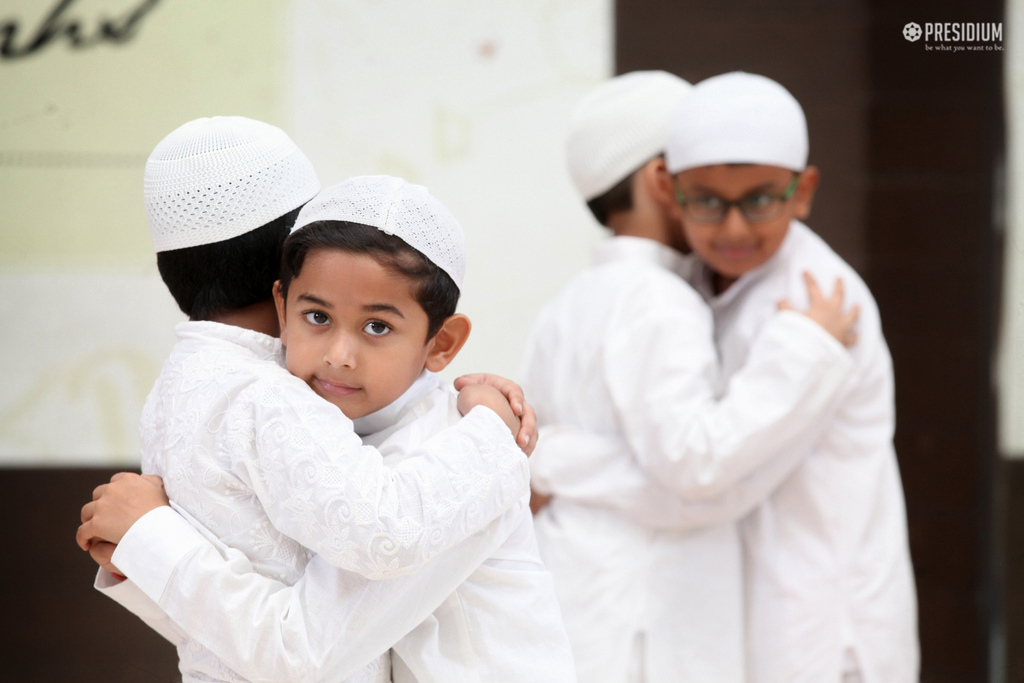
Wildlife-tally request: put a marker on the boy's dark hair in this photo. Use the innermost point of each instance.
(618, 198)
(432, 288)
(213, 279)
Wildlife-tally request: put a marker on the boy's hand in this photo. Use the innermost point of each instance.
(485, 395)
(101, 552)
(118, 505)
(829, 312)
(538, 501)
(526, 436)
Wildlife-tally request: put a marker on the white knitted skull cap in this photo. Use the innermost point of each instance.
(619, 126)
(216, 178)
(737, 118)
(398, 208)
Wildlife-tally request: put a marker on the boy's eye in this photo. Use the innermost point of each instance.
(759, 201)
(376, 328)
(707, 202)
(317, 318)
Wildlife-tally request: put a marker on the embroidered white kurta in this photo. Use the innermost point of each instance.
(828, 563)
(649, 470)
(274, 471)
(501, 624)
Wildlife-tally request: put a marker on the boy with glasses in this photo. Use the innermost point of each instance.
(829, 584)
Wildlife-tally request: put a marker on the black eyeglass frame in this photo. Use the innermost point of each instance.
(727, 204)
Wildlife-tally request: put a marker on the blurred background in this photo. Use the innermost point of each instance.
(918, 142)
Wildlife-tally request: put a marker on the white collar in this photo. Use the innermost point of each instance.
(624, 248)
(263, 346)
(389, 414)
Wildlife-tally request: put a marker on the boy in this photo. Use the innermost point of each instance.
(648, 469)
(369, 284)
(246, 449)
(829, 583)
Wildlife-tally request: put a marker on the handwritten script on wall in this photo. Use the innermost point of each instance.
(59, 24)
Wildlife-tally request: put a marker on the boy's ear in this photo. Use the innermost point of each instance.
(803, 197)
(279, 304)
(659, 180)
(447, 342)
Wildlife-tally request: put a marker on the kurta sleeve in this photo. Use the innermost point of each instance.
(598, 470)
(326, 626)
(699, 446)
(322, 487)
(133, 599)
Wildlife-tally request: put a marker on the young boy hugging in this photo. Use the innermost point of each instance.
(268, 471)
(369, 284)
(829, 584)
(648, 464)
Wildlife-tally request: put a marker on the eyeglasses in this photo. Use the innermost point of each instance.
(756, 208)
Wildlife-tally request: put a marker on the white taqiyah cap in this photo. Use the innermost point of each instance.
(737, 118)
(217, 178)
(397, 208)
(620, 126)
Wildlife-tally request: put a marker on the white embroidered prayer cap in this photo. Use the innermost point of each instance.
(217, 178)
(737, 118)
(619, 126)
(398, 208)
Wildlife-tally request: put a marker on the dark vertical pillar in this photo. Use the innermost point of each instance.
(935, 136)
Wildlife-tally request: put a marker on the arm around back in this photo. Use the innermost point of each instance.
(322, 487)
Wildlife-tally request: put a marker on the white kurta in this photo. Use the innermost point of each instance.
(650, 470)
(500, 623)
(271, 469)
(828, 564)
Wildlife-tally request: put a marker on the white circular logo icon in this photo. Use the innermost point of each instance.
(912, 31)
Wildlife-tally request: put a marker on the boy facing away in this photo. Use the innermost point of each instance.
(247, 449)
(829, 584)
(649, 466)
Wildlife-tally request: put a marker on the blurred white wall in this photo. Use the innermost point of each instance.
(467, 98)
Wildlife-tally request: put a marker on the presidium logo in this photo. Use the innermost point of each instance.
(956, 36)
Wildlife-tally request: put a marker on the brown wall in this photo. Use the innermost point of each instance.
(56, 627)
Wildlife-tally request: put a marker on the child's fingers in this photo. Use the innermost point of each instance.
(784, 305)
(88, 511)
(84, 535)
(516, 400)
(98, 491)
(527, 436)
(838, 291)
(512, 392)
(154, 480)
(531, 444)
(102, 552)
(851, 316)
(464, 381)
(813, 291)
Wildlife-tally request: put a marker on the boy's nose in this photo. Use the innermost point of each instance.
(734, 222)
(340, 353)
